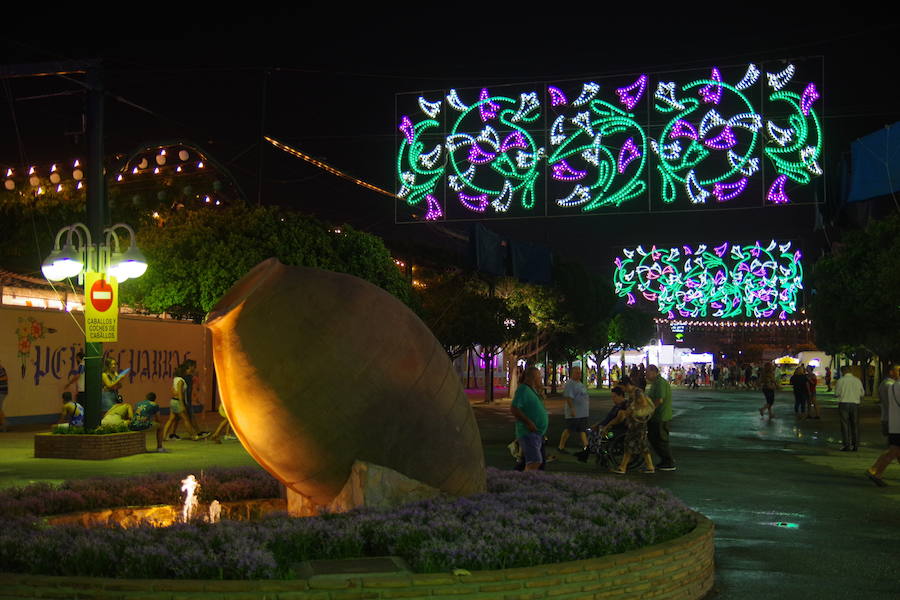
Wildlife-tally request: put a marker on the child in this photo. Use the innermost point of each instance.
(72, 414)
(224, 425)
(146, 415)
(636, 416)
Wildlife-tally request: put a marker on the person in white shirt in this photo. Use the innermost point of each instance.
(883, 396)
(577, 409)
(849, 391)
(876, 471)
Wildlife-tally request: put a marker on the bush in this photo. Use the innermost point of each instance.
(524, 519)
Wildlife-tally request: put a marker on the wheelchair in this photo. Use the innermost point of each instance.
(607, 450)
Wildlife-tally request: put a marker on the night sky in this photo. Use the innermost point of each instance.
(331, 80)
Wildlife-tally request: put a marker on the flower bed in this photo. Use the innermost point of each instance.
(523, 520)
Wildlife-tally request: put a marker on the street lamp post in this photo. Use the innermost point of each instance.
(79, 255)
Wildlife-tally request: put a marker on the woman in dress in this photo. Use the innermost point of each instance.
(636, 416)
(112, 383)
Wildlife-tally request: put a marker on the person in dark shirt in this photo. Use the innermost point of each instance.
(800, 383)
(620, 402)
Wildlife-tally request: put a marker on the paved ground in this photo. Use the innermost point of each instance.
(746, 473)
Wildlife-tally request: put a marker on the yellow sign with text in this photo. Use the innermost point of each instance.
(101, 308)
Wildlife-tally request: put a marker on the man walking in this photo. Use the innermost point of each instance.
(849, 391)
(876, 471)
(577, 410)
(660, 393)
(531, 419)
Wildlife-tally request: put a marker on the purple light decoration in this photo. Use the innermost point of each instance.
(777, 194)
(631, 299)
(768, 313)
(716, 305)
(563, 172)
(434, 208)
(737, 302)
(513, 140)
(724, 141)
(628, 96)
(810, 95)
(556, 96)
(797, 256)
(671, 315)
(651, 296)
(721, 250)
(687, 250)
(474, 203)
(684, 313)
(407, 128)
(756, 250)
(783, 316)
(711, 93)
(652, 275)
(728, 191)
(668, 269)
(487, 109)
(478, 156)
(683, 129)
(495, 362)
(618, 262)
(628, 153)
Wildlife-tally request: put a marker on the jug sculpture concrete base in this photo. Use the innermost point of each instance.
(332, 384)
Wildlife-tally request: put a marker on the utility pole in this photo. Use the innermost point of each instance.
(96, 222)
(96, 192)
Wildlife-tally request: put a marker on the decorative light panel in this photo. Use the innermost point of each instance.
(726, 281)
(740, 136)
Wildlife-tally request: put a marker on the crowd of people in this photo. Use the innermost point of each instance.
(146, 414)
(641, 413)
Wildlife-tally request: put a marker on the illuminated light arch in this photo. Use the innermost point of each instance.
(727, 136)
(727, 281)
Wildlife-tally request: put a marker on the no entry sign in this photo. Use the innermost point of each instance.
(101, 308)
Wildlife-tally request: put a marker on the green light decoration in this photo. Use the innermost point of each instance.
(584, 148)
(726, 281)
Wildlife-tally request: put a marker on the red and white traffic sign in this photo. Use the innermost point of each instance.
(101, 295)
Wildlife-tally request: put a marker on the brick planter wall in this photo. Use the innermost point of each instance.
(679, 569)
(89, 447)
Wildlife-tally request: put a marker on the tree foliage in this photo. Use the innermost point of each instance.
(196, 256)
(630, 328)
(854, 302)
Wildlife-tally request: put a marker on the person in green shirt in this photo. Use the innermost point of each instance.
(660, 393)
(531, 418)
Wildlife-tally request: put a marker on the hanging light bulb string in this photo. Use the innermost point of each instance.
(326, 167)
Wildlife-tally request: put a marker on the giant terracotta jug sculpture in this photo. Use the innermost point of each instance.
(322, 372)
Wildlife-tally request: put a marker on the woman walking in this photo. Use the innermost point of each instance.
(768, 385)
(177, 404)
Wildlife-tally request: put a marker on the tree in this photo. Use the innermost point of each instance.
(196, 256)
(462, 313)
(631, 328)
(854, 302)
(587, 302)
